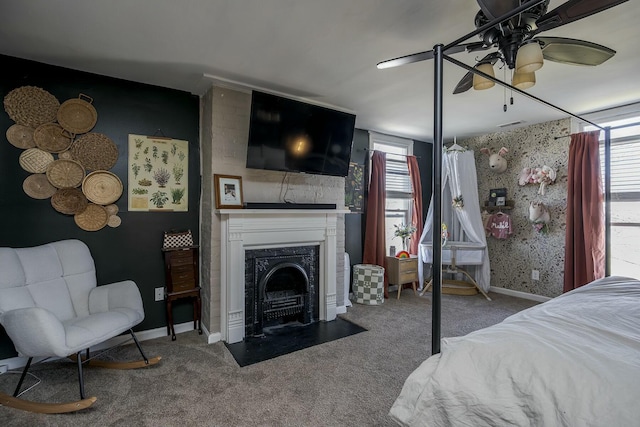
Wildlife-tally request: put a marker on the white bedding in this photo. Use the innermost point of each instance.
(571, 361)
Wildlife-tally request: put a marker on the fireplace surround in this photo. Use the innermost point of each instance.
(257, 229)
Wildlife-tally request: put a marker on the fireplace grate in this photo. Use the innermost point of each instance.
(280, 307)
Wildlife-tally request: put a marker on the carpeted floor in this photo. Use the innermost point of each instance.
(352, 381)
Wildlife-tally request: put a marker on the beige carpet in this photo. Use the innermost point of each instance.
(352, 381)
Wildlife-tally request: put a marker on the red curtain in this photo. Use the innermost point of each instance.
(584, 259)
(374, 236)
(416, 211)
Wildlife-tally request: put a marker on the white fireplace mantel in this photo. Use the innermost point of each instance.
(248, 229)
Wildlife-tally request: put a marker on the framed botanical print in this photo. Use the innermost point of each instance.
(228, 189)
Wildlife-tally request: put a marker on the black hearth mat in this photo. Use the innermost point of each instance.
(278, 341)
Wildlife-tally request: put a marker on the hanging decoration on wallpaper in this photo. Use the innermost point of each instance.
(354, 188)
(67, 163)
(158, 174)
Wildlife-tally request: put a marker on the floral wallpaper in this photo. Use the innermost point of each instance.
(526, 249)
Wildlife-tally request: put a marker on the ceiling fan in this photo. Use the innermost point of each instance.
(517, 42)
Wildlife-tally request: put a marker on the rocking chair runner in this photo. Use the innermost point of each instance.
(51, 306)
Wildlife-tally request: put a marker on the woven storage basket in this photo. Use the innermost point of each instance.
(78, 115)
(52, 137)
(69, 201)
(102, 187)
(95, 151)
(31, 106)
(368, 284)
(63, 173)
(21, 136)
(35, 160)
(38, 186)
(93, 218)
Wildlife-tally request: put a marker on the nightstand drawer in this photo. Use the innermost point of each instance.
(408, 277)
(175, 262)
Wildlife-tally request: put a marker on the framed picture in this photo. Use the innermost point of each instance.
(228, 191)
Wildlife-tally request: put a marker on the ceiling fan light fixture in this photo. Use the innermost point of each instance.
(529, 57)
(481, 83)
(523, 80)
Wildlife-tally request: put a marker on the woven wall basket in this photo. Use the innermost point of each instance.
(21, 136)
(31, 106)
(78, 115)
(63, 173)
(93, 218)
(69, 201)
(52, 137)
(35, 160)
(38, 186)
(102, 187)
(95, 151)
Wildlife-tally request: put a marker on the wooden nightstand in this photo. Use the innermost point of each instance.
(181, 277)
(401, 271)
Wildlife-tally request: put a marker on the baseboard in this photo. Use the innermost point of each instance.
(341, 309)
(519, 294)
(149, 334)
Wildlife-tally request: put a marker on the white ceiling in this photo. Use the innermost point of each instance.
(325, 51)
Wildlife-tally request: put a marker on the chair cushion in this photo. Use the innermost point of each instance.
(83, 332)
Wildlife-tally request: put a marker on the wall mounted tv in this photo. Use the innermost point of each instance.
(293, 136)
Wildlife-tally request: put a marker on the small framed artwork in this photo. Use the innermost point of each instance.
(501, 201)
(228, 190)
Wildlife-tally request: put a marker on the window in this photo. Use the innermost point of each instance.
(398, 183)
(625, 188)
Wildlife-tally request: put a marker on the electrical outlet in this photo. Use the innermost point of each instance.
(159, 294)
(535, 275)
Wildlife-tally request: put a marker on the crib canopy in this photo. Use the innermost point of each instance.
(461, 214)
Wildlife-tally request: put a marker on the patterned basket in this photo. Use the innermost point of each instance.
(35, 160)
(31, 106)
(368, 284)
(52, 137)
(69, 201)
(95, 151)
(64, 173)
(93, 218)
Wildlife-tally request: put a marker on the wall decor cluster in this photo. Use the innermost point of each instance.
(68, 163)
(158, 174)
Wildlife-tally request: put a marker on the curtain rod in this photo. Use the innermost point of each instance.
(612, 128)
(394, 154)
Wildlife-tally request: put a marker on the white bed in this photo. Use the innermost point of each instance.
(571, 361)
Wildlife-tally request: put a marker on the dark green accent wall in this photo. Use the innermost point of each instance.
(132, 250)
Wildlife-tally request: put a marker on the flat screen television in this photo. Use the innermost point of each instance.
(294, 136)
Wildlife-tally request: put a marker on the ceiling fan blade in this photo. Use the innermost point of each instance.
(573, 10)
(422, 56)
(464, 84)
(467, 80)
(572, 51)
(493, 9)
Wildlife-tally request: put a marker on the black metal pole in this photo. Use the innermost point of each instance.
(436, 313)
(607, 201)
